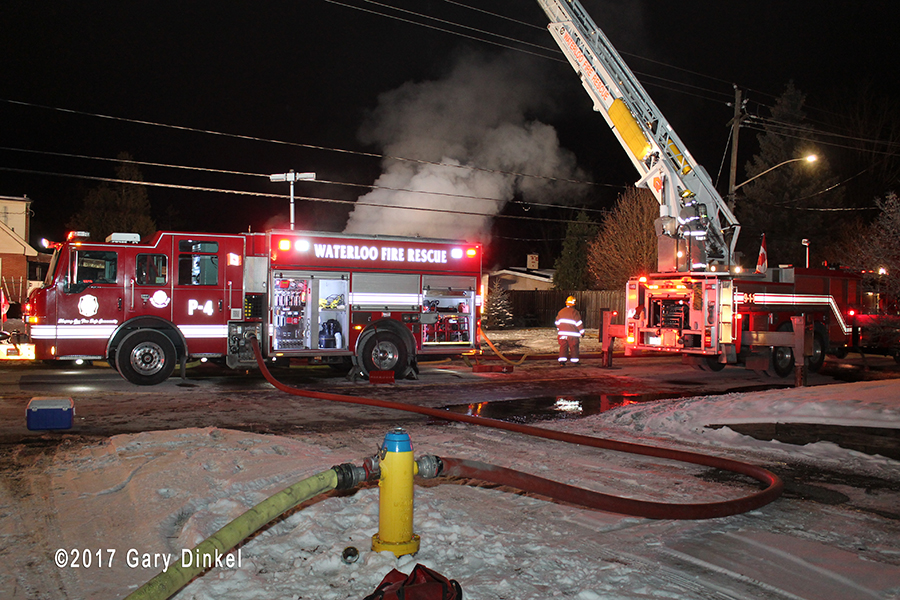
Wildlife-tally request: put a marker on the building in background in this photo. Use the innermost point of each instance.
(22, 267)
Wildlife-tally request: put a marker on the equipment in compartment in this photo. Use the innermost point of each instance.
(447, 329)
(332, 302)
(290, 317)
(330, 335)
(445, 317)
(331, 295)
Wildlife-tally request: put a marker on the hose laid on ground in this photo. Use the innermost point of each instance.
(167, 583)
(627, 506)
(497, 352)
(458, 467)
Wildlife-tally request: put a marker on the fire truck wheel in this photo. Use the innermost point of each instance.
(711, 363)
(782, 363)
(817, 359)
(384, 351)
(145, 357)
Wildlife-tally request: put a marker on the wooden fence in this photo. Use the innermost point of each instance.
(538, 308)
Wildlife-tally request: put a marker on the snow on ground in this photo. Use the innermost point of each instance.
(157, 493)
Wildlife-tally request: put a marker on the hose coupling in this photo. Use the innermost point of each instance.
(430, 466)
(349, 476)
(372, 466)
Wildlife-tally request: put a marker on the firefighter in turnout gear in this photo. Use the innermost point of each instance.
(569, 329)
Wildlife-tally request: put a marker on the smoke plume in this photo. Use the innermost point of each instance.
(470, 134)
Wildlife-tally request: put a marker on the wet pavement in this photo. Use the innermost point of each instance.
(574, 406)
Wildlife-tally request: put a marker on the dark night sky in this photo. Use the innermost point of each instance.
(310, 71)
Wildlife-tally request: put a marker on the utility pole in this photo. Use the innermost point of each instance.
(735, 129)
(292, 177)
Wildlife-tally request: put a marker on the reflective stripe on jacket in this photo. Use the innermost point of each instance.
(568, 323)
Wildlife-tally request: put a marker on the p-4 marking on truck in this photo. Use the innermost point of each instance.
(374, 302)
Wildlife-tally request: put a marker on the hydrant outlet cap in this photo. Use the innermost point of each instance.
(397, 441)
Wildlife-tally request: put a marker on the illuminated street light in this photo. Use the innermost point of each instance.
(805, 242)
(292, 177)
(810, 158)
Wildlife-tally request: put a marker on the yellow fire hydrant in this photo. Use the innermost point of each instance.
(395, 504)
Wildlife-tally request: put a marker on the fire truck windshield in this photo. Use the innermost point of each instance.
(51, 269)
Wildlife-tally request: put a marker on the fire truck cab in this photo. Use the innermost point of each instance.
(373, 302)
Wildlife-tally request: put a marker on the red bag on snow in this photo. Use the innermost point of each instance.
(421, 584)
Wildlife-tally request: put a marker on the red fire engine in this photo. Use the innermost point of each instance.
(374, 302)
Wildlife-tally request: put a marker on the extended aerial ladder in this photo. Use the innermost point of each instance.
(696, 229)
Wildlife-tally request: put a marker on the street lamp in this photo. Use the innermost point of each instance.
(292, 177)
(810, 158)
(805, 242)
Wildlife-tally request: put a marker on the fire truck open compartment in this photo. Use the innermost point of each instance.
(309, 311)
(448, 309)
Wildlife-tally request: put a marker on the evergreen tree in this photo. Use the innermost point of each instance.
(497, 312)
(571, 266)
(116, 207)
(626, 245)
(786, 204)
(878, 253)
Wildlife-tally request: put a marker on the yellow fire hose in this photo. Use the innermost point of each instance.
(497, 352)
(167, 583)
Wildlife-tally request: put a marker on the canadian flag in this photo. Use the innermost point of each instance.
(762, 263)
(4, 306)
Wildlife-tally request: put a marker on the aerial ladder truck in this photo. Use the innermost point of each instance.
(698, 303)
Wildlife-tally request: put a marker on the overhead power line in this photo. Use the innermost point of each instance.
(783, 125)
(299, 144)
(436, 28)
(283, 196)
(791, 133)
(556, 53)
(320, 181)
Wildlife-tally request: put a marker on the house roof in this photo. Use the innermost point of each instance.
(8, 237)
(16, 199)
(545, 275)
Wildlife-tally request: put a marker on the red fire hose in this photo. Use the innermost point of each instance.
(567, 493)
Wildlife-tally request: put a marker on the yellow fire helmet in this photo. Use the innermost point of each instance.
(570, 301)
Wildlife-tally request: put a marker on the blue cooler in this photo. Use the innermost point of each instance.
(45, 413)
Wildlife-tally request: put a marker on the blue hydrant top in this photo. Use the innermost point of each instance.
(397, 440)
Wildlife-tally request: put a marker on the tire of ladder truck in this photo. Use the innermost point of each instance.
(711, 363)
(146, 357)
(820, 347)
(782, 364)
(385, 351)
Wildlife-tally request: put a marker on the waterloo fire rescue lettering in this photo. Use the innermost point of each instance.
(385, 253)
(365, 302)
